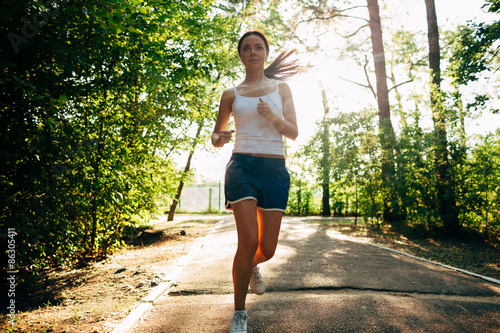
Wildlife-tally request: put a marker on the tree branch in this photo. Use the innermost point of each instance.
(365, 69)
(316, 18)
(367, 86)
(356, 83)
(400, 84)
(355, 32)
(346, 9)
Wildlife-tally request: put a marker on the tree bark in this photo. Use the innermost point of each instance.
(325, 159)
(173, 206)
(95, 194)
(386, 130)
(446, 197)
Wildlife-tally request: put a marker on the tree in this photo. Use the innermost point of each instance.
(480, 195)
(325, 159)
(325, 12)
(185, 174)
(95, 104)
(476, 49)
(446, 197)
(386, 130)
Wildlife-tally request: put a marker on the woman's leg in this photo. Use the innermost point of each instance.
(269, 223)
(245, 214)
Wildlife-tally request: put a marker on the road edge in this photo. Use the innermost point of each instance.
(487, 278)
(147, 302)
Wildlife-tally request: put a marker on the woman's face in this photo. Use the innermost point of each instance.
(253, 53)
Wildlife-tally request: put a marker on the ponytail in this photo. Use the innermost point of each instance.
(279, 69)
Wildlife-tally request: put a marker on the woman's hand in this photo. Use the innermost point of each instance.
(287, 125)
(223, 137)
(265, 111)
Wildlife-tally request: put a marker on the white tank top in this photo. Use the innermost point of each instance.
(254, 134)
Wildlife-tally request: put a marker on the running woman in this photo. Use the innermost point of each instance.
(256, 180)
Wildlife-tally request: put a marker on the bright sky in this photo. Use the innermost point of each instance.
(307, 94)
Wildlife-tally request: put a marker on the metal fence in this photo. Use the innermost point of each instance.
(202, 198)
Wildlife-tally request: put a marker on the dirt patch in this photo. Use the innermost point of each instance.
(97, 298)
(474, 255)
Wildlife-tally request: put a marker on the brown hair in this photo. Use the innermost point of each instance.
(279, 69)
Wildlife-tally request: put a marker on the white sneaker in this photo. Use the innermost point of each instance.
(257, 283)
(239, 323)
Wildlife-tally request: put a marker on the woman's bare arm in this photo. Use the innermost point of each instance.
(221, 135)
(288, 125)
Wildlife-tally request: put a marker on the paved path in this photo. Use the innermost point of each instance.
(322, 281)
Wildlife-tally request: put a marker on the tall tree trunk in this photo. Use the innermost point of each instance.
(299, 198)
(356, 198)
(95, 188)
(446, 197)
(173, 206)
(325, 159)
(400, 110)
(386, 131)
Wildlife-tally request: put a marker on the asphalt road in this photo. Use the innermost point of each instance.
(322, 281)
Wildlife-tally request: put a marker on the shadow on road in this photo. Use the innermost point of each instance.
(322, 281)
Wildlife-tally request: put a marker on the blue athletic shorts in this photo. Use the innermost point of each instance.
(263, 179)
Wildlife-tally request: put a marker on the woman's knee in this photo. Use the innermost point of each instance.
(248, 246)
(267, 252)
